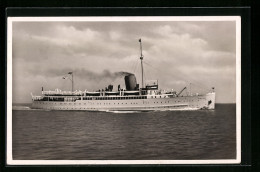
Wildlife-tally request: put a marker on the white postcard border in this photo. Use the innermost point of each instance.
(9, 157)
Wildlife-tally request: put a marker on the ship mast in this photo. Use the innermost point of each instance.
(141, 58)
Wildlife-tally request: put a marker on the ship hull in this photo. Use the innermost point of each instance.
(175, 103)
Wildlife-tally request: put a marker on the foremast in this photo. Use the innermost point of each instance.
(71, 79)
(141, 58)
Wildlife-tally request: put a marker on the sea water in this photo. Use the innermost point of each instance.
(115, 135)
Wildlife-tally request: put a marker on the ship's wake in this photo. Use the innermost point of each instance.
(183, 109)
(21, 108)
(153, 110)
(118, 111)
(28, 108)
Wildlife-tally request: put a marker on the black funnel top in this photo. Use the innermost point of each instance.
(130, 82)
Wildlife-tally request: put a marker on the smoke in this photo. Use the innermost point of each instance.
(84, 74)
(122, 73)
(105, 75)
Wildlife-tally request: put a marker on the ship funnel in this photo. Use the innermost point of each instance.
(130, 82)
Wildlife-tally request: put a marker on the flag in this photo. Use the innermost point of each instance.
(70, 73)
(140, 40)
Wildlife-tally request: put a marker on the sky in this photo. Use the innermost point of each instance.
(176, 53)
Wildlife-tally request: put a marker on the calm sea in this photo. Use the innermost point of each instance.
(82, 135)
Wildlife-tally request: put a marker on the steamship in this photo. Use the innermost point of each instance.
(131, 98)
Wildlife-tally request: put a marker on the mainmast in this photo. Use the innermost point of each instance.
(141, 58)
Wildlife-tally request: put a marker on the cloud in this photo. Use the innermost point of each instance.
(176, 53)
(164, 30)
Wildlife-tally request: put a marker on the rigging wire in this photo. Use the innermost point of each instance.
(193, 81)
(144, 77)
(148, 75)
(136, 63)
(187, 92)
(138, 75)
(133, 66)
